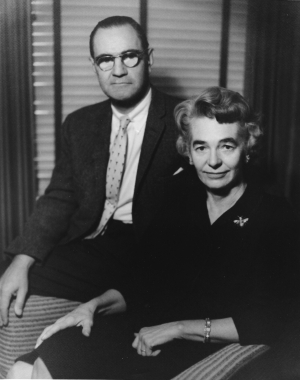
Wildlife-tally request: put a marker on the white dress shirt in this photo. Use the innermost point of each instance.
(135, 134)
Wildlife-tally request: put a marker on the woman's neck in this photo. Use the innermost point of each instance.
(217, 203)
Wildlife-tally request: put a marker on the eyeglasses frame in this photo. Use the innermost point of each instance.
(139, 56)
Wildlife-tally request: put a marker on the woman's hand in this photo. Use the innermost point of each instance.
(223, 331)
(148, 337)
(83, 316)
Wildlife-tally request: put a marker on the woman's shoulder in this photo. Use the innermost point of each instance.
(273, 209)
(266, 189)
(184, 196)
(277, 204)
(185, 180)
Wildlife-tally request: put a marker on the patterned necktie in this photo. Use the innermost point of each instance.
(114, 173)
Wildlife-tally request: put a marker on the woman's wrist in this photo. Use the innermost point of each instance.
(216, 331)
(191, 329)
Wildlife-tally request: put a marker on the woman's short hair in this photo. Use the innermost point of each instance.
(225, 106)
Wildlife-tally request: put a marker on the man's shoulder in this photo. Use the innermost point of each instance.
(91, 110)
(162, 100)
(166, 96)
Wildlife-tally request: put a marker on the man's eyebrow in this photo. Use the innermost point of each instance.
(123, 52)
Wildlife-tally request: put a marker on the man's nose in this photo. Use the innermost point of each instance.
(214, 160)
(119, 68)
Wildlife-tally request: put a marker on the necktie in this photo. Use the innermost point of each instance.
(115, 172)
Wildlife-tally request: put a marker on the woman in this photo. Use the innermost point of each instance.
(219, 266)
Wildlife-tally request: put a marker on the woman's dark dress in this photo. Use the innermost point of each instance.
(244, 266)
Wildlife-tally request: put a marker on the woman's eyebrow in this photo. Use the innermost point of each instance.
(199, 142)
(229, 140)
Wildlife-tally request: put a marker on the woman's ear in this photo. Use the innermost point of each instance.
(190, 160)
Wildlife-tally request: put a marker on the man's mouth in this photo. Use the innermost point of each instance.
(120, 83)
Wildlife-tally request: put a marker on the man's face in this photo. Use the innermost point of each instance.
(125, 86)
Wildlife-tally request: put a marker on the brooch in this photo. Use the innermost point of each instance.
(240, 221)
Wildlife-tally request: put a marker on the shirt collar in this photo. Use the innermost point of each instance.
(137, 111)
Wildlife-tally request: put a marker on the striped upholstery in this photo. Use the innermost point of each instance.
(19, 338)
(222, 364)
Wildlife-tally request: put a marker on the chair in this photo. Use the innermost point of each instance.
(17, 339)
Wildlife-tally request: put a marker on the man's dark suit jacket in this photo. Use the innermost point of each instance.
(73, 202)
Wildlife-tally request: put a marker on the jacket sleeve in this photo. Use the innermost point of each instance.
(50, 219)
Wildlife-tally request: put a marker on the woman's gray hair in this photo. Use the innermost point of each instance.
(225, 106)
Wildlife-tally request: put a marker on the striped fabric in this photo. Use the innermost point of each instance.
(20, 336)
(222, 364)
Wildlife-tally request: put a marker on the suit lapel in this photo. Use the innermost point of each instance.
(154, 128)
(102, 130)
(101, 127)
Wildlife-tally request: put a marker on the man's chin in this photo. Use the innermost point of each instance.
(126, 100)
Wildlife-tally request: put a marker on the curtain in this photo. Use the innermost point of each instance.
(273, 87)
(17, 183)
(185, 34)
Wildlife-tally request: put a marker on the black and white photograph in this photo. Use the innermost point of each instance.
(150, 189)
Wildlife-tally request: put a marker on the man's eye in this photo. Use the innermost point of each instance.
(105, 59)
(129, 55)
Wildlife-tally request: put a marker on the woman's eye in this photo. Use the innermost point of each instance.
(200, 148)
(228, 147)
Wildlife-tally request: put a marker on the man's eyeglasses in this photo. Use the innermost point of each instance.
(129, 59)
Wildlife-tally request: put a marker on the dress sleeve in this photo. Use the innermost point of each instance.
(272, 300)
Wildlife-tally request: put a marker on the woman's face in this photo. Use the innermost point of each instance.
(217, 152)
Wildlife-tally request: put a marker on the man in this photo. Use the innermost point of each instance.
(80, 237)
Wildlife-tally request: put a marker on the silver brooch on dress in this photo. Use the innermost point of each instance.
(240, 221)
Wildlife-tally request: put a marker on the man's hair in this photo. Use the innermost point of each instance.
(225, 106)
(117, 21)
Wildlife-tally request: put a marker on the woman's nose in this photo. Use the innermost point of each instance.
(214, 160)
(119, 68)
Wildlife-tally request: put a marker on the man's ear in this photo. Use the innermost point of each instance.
(93, 64)
(150, 60)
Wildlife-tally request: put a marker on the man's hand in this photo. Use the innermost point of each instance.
(110, 302)
(148, 337)
(83, 316)
(14, 282)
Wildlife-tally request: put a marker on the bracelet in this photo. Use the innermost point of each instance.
(207, 330)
